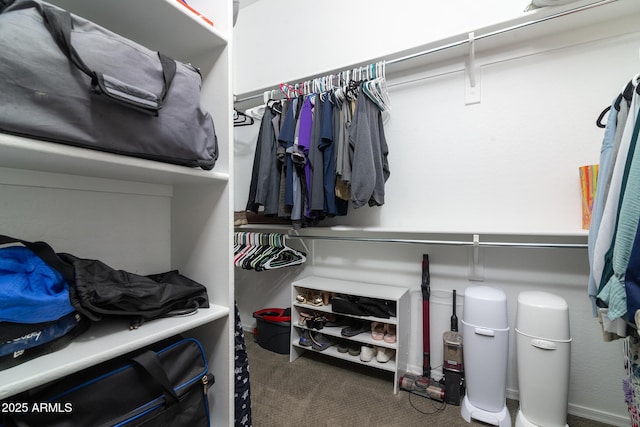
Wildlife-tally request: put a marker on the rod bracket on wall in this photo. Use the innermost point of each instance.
(471, 74)
(476, 268)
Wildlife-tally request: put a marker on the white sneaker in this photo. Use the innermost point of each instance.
(367, 353)
(383, 354)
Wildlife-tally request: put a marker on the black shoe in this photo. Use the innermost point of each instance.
(358, 327)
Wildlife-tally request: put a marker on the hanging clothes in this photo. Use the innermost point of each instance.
(370, 166)
(598, 203)
(326, 147)
(316, 161)
(613, 286)
(265, 178)
(310, 150)
(613, 291)
(344, 155)
(281, 159)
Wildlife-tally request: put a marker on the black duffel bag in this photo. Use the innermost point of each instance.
(99, 290)
(67, 80)
(166, 387)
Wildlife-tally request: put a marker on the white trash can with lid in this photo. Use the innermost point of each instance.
(543, 346)
(485, 331)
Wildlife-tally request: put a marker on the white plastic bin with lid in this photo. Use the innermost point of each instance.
(485, 331)
(543, 346)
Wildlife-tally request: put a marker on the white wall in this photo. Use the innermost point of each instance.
(332, 34)
(505, 165)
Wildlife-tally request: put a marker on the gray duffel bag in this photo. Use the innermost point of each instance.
(67, 80)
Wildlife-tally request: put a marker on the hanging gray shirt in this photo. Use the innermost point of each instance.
(370, 166)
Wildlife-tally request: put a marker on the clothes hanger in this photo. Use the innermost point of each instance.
(262, 255)
(626, 94)
(286, 257)
(241, 119)
(264, 251)
(275, 106)
(370, 88)
(351, 91)
(275, 246)
(243, 246)
(287, 90)
(264, 248)
(376, 88)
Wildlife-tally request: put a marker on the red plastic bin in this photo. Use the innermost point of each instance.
(273, 329)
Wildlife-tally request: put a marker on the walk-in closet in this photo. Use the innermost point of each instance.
(489, 111)
(412, 212)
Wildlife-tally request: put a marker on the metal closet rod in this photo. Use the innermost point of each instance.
(474, 243)
(479, 37)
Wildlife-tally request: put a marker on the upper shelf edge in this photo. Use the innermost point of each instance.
(30, 154)
(165, 26)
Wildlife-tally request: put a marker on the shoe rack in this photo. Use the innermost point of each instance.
(312, 289)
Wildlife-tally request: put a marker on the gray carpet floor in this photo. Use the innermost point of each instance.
(317, 390)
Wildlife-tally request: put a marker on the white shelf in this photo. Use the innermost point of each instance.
(172, 29)
(24, 153)
(103, 341)
(351, 288)
(398, 295)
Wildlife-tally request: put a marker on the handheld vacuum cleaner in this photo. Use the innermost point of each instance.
(453, 367)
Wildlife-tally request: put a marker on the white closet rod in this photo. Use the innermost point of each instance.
(474, 243)
(466, 40)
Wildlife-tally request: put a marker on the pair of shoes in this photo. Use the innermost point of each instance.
(382, 354)
(383, 331)
(313, 320)
(320, 341)
(309, 297)
(240, 218)
(358, 327)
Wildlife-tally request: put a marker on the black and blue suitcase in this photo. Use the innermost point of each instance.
(167, 387)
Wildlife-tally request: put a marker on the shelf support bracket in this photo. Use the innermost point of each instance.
(476, 268)
(471, 74)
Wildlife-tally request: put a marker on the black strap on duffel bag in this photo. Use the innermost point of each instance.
(161, 386)
(58, 22)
